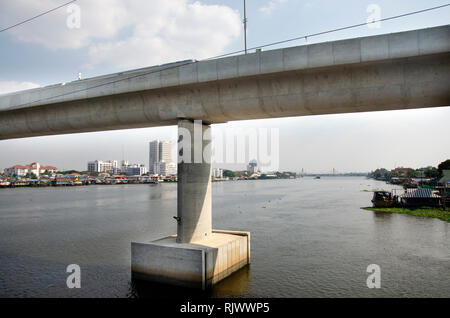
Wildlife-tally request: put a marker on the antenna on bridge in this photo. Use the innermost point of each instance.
(245, 26)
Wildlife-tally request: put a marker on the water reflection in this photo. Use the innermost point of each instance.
(162, 192)
(235, 285)
(382, 215)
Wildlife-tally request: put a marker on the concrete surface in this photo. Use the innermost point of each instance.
(385, 72)
(199, 264)
(194, 182)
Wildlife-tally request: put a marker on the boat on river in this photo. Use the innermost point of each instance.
(383, 199)
(152, 180)
(4, 184)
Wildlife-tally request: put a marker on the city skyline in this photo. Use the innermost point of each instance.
(348, 142)
(82, 166)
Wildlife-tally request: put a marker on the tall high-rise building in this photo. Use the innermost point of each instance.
(160, 152)
(124, 166)
(165, 150)
(153, 156)
(252, 167)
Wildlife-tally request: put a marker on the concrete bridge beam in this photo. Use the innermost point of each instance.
(385, 72)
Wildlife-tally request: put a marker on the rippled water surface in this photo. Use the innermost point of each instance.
(309, 239)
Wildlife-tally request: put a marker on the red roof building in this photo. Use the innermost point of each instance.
(34, 167)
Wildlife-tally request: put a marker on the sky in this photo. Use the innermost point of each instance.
(117, 35)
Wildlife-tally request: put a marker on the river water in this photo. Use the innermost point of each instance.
(309, 239)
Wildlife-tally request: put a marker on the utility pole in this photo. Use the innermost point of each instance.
(245, 27)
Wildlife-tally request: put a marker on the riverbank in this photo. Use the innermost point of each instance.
(427, 212)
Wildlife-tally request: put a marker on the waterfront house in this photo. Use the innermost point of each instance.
(119, 178)
(4, 181)
(420, 197)
(63, 180)
(444, 187)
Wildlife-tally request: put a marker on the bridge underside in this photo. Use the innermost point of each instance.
(388, 72)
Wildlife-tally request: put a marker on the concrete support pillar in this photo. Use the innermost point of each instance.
(194, 182)
(197, 256)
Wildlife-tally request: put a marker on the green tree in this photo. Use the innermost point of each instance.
(445, 165)
(432, 173)
(393, 174)
(229, 174)
(412, 173)
(71, 171)
(380, 174)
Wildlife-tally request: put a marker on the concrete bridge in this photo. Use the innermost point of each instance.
(386, 72)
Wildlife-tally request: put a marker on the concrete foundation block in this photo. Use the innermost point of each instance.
(199, 264)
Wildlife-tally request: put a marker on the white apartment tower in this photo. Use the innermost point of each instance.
(160, 152)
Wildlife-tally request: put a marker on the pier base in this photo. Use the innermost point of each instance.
(198, 264)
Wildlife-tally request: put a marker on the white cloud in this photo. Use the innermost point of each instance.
(157, 30)
(271, 6)
(99, 19)
(175, 30)
(13, 86)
